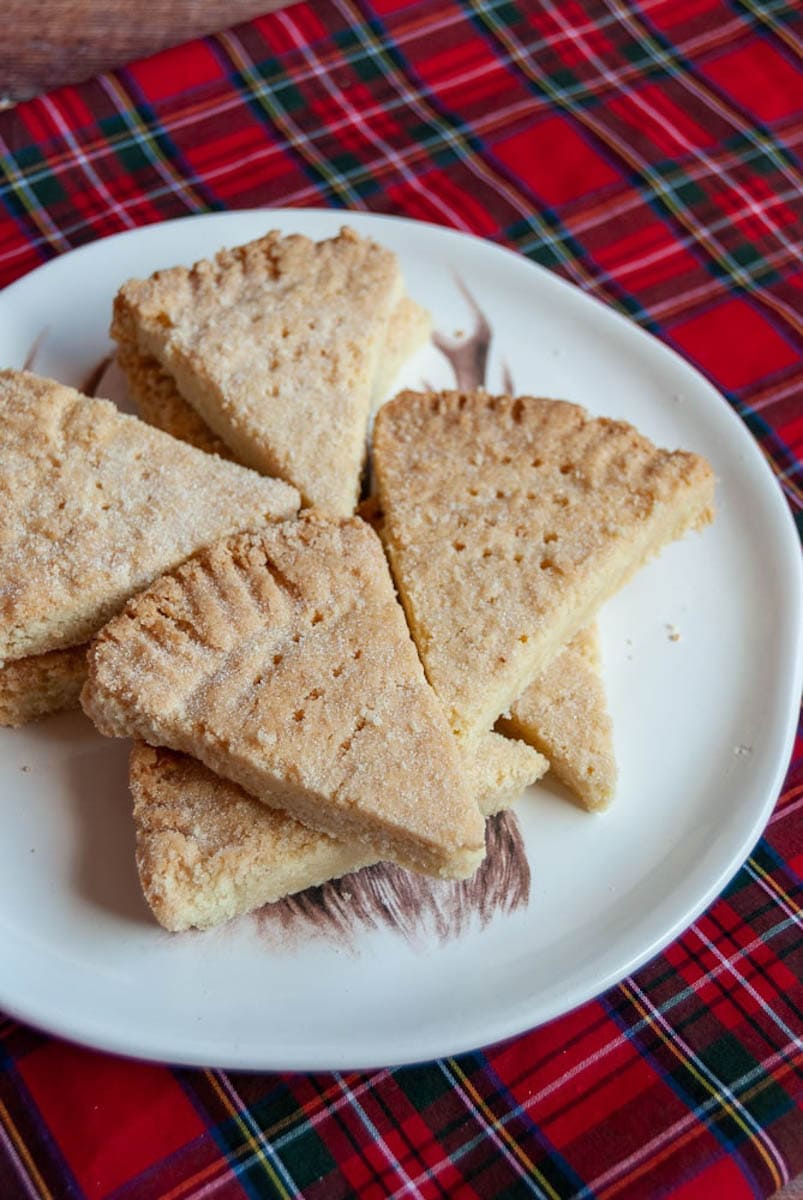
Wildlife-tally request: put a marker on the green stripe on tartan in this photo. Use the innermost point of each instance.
(718, 1102)
(651, 46)
(264, 99)
(22, 203)
(660, 195)
(453, 133)
(773, 15)
(146, 146)
(555, 244)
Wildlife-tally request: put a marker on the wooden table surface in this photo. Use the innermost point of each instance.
(46, 43)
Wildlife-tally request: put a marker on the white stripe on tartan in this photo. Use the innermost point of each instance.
(298, 139)
(83, 163)
(676, 302)
(545, 236)
(411, 98)
(689, 147)
(491, 1128)
(53, 236)
(304, 1121)
(794, 805)
(759, 12)
(263, 1144)
(225, 1177)
(765, 885)
(721, 1088)
(792, 387)
(355, 118)
(690, 1118)
(748, 987)
(704, 290)
(18, 1164)
(636, 201)
(664, 58)
(599, 218)
(110, 145)
(738, 273)
(685, 242)
(446, 1160)
(175, 184)
(312, 191)
(623, 1038)
(408, 1188)
(680, 1126)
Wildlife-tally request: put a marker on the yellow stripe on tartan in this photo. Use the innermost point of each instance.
(128, 111)
(18, 182)
(646, 173)
(499, 1128)
(785, 480)
(260, 93)
(306, 1112)
(22, 1150)
(758, 13)
(250, 1140)
(667, 58)
(450, 135)
(688, 1063)
(191, 1183)
(678, 1142)
(774, 887)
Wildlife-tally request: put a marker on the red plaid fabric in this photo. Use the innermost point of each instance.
(645, 151)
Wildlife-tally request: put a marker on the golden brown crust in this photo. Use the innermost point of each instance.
(276, 345)
(281, 659)
(564, 714)
(207, 851)
(508, 522)
(159, 402)
(97, 504)
(41, 684)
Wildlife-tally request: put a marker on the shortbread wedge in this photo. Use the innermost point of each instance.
(564, 714)
(160, 403)
(96, 505)
(408, 330)
(508, 522)
(281, 659)
(276, 345)
(208, 852)
(41, 684)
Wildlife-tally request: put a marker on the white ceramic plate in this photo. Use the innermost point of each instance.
(703, 726)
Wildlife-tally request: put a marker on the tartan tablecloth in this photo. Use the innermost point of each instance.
(646, 152)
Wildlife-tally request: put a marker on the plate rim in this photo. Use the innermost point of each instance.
(499, 1027)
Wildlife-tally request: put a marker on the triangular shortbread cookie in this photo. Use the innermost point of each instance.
(96, 505)
(282, 660)
(564, 714)
(276, 345)
(161, 404)
(207, 851)
(509, 522)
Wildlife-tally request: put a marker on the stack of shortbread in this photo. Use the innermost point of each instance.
(310, 693)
